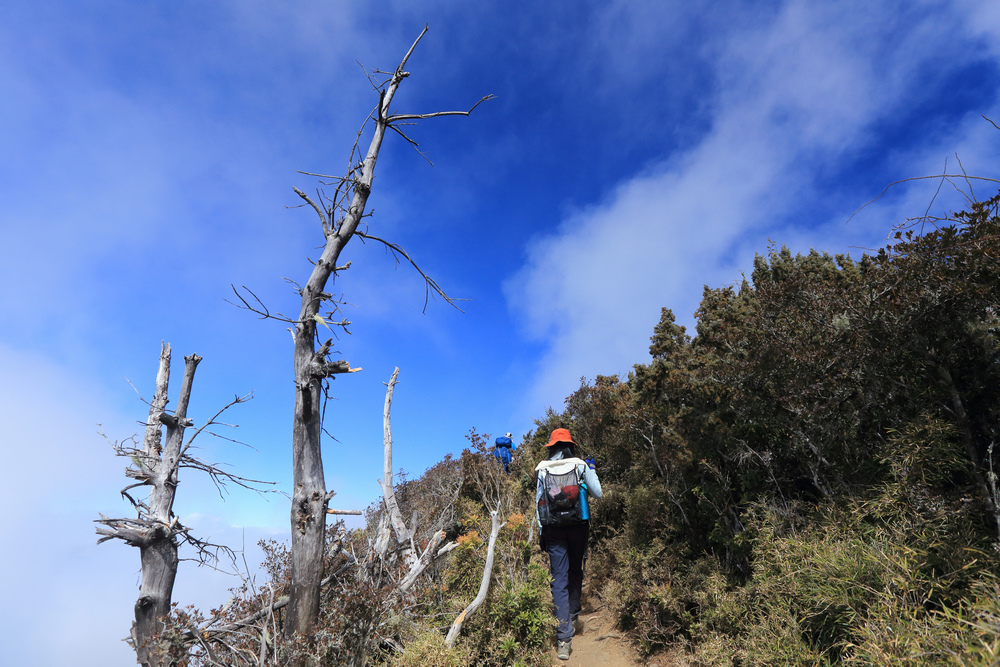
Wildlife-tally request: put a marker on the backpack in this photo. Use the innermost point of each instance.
(562, 494)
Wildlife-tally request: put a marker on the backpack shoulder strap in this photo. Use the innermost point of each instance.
(559, 466)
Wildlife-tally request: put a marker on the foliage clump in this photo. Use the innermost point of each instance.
(811, 478)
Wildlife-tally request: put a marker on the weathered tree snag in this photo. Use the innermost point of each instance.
(419, 565)
(489, 477)
(156, 531)
(404, 535)
(308, 517)
(339, 217)
(484, 585)
(159, 554)
(392, 516)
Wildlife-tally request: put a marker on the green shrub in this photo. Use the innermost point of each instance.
(658, 600)
(525, 609)
(976, 625)
(515, 624)
(429, 650)
(852, 591)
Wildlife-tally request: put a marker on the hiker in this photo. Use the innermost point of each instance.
(562, 490)
(502, 451)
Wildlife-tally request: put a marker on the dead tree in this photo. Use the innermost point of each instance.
(243, 632)
(394, 566)
(404, 535)
(392, 516)
(489, 477)
(340, 216)
(156, 530)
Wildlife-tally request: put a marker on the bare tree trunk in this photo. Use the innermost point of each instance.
(309, 497)
(392, 516)
(159, 554)
(493, 484)
(339, 221)
(156, 531)
(308, 515)
(484, 585)
(404, 535)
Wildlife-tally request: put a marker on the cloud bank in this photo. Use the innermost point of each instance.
(798, 95)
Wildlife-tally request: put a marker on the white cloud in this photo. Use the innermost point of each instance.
(797, 92)
(53, 473)
(58, 475)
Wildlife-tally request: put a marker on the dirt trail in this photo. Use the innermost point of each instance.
(601, 645)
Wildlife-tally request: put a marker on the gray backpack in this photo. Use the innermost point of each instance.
(563, 498)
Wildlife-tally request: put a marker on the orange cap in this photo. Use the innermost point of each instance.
(560, 435)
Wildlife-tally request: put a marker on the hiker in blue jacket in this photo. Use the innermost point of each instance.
(503, 449)
(564, 484)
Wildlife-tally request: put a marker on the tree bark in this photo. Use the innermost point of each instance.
(339, 222)
(404, 535)
(484, 585)
(158, 546)
(156, 531)
(309, 497)
(308, 515)
(392, 517)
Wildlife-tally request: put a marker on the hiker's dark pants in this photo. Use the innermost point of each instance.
(566, 546)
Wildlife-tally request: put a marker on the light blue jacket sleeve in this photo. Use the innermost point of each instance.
(593, 483)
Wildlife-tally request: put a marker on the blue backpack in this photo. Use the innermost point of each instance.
(502, 450)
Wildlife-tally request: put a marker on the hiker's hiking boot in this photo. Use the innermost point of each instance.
(577, 626)
(562, 650)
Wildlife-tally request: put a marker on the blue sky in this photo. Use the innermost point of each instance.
(635, 152)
